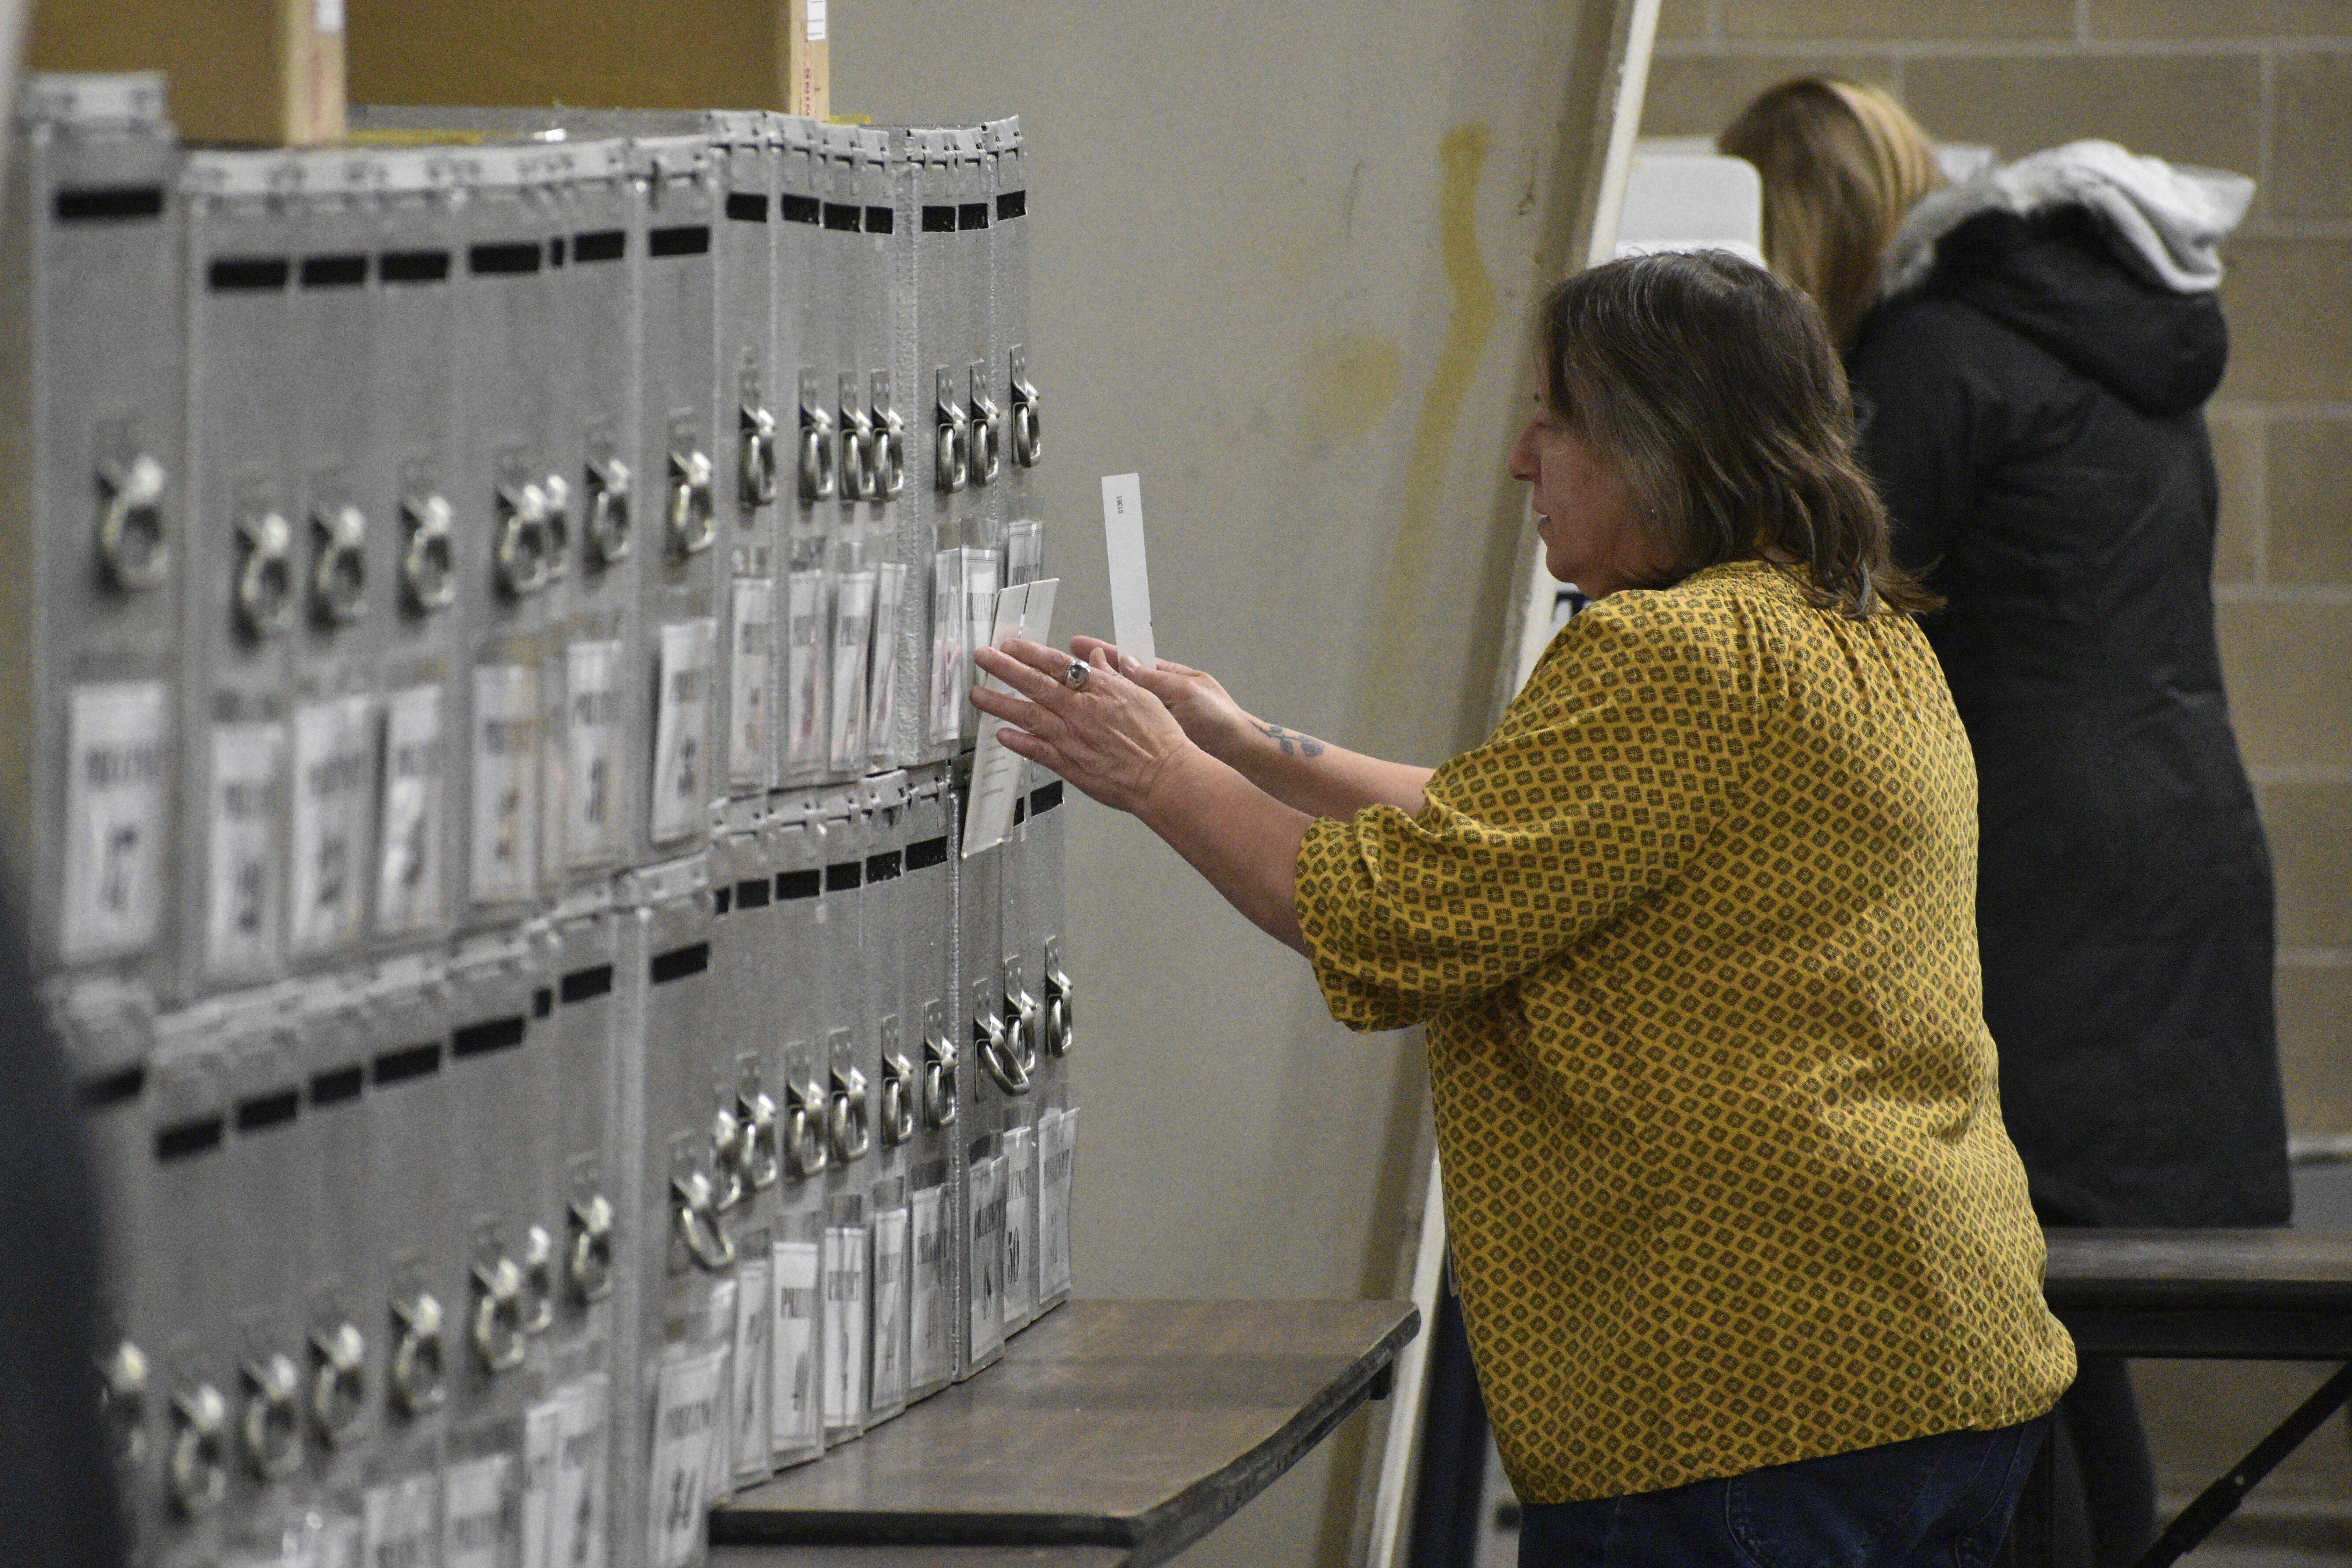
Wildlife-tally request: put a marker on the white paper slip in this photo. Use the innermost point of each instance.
(591, 825)
(928, 1344)
(1130, 584)
(474, 1504)
(334, 785)
(682, 728)
(576, 1532)
(505, 859)
(755, 1311)
(245, 893)
(997, 775)
(797, 1397)
(408, 873)
(689, 1393)
(118, 803)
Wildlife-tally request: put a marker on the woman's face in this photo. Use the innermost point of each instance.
(1586, 514)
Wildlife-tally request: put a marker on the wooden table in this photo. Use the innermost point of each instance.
(1111, 1433)
(2230, 1295)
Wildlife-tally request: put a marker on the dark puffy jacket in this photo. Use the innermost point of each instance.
(2031, 415)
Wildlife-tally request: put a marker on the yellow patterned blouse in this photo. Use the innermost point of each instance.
(1694, 936)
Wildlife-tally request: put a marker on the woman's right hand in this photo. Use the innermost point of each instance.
(1211, 719)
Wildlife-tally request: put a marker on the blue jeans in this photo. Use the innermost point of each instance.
(1933, 1502)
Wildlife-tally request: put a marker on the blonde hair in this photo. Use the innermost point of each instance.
(1842, 163)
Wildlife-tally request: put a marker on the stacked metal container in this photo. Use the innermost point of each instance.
(490, 740)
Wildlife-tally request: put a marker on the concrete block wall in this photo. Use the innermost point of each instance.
(2262, 87)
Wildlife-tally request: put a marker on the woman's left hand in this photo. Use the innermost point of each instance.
(1108, 736)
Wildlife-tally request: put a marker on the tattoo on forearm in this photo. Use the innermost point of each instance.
(1292, 742)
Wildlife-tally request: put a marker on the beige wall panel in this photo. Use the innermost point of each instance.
(2310, 830)
(1682, 18)
(2285, 662)
(2194, 110)
(2314, 1004)
(1860, 19)
(1697, 94)
(2309, 462)
(2212, 19)
(254, 71)
(2211, 1412)
(2290, 305)
(2238, 450)
(2311, 171)
(627, 54)
(1284, 264)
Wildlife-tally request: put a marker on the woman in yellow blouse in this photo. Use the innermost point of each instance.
(1745, 1256)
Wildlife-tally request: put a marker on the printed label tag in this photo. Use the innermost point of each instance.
(944, 720)
(853, 632)
(682, 730)
(846, 1348)
(474, 1496)
(891, 1264)
(577, 1531)
(755, 1310)
(334, 777)
(244, 889)
(804, 690)
(929, 1348)
(118, 788)
(997, 774)
(505, 859)
(542, 1461)
(1056, 1134)
(987, 1186)
(982, 575)
(400, 1521)
(719, 1329)
(1019, 1223)
(882, 711)
(797, 1409)
(1024, 550)
(816, 21)
(752, 681)
(592, 795)
(685, 1444)
(408, 869)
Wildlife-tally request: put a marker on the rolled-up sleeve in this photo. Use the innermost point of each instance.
(1602, 782)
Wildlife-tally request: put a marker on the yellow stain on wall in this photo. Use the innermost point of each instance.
(1352, 378)
(1469, 325)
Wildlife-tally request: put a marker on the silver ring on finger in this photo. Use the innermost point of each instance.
(1074, 678)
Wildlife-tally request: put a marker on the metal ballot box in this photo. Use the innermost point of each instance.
(402, 481)
(838, 1056)
(567, 1486)
(343, 556)
(671, 1437)
(507, 522)
(499, 1144)
(875, 380)
(935, 1057)
(343, 1354)
(883, 922)
(243, 560)
(606, 732)
(744, 144)
(91, 381)
(791, 1003)
(183, 1302)
(741, 1066)
(675, 203)
(405, 1015)
(997, 1080)
(1057, 1114)
(810, 263)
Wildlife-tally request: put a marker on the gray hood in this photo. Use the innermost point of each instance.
(2167, 223)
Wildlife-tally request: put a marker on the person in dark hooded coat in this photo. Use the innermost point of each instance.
(2029, 351)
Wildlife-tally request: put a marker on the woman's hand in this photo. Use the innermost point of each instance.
(1212, 720)
(1110, 737)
